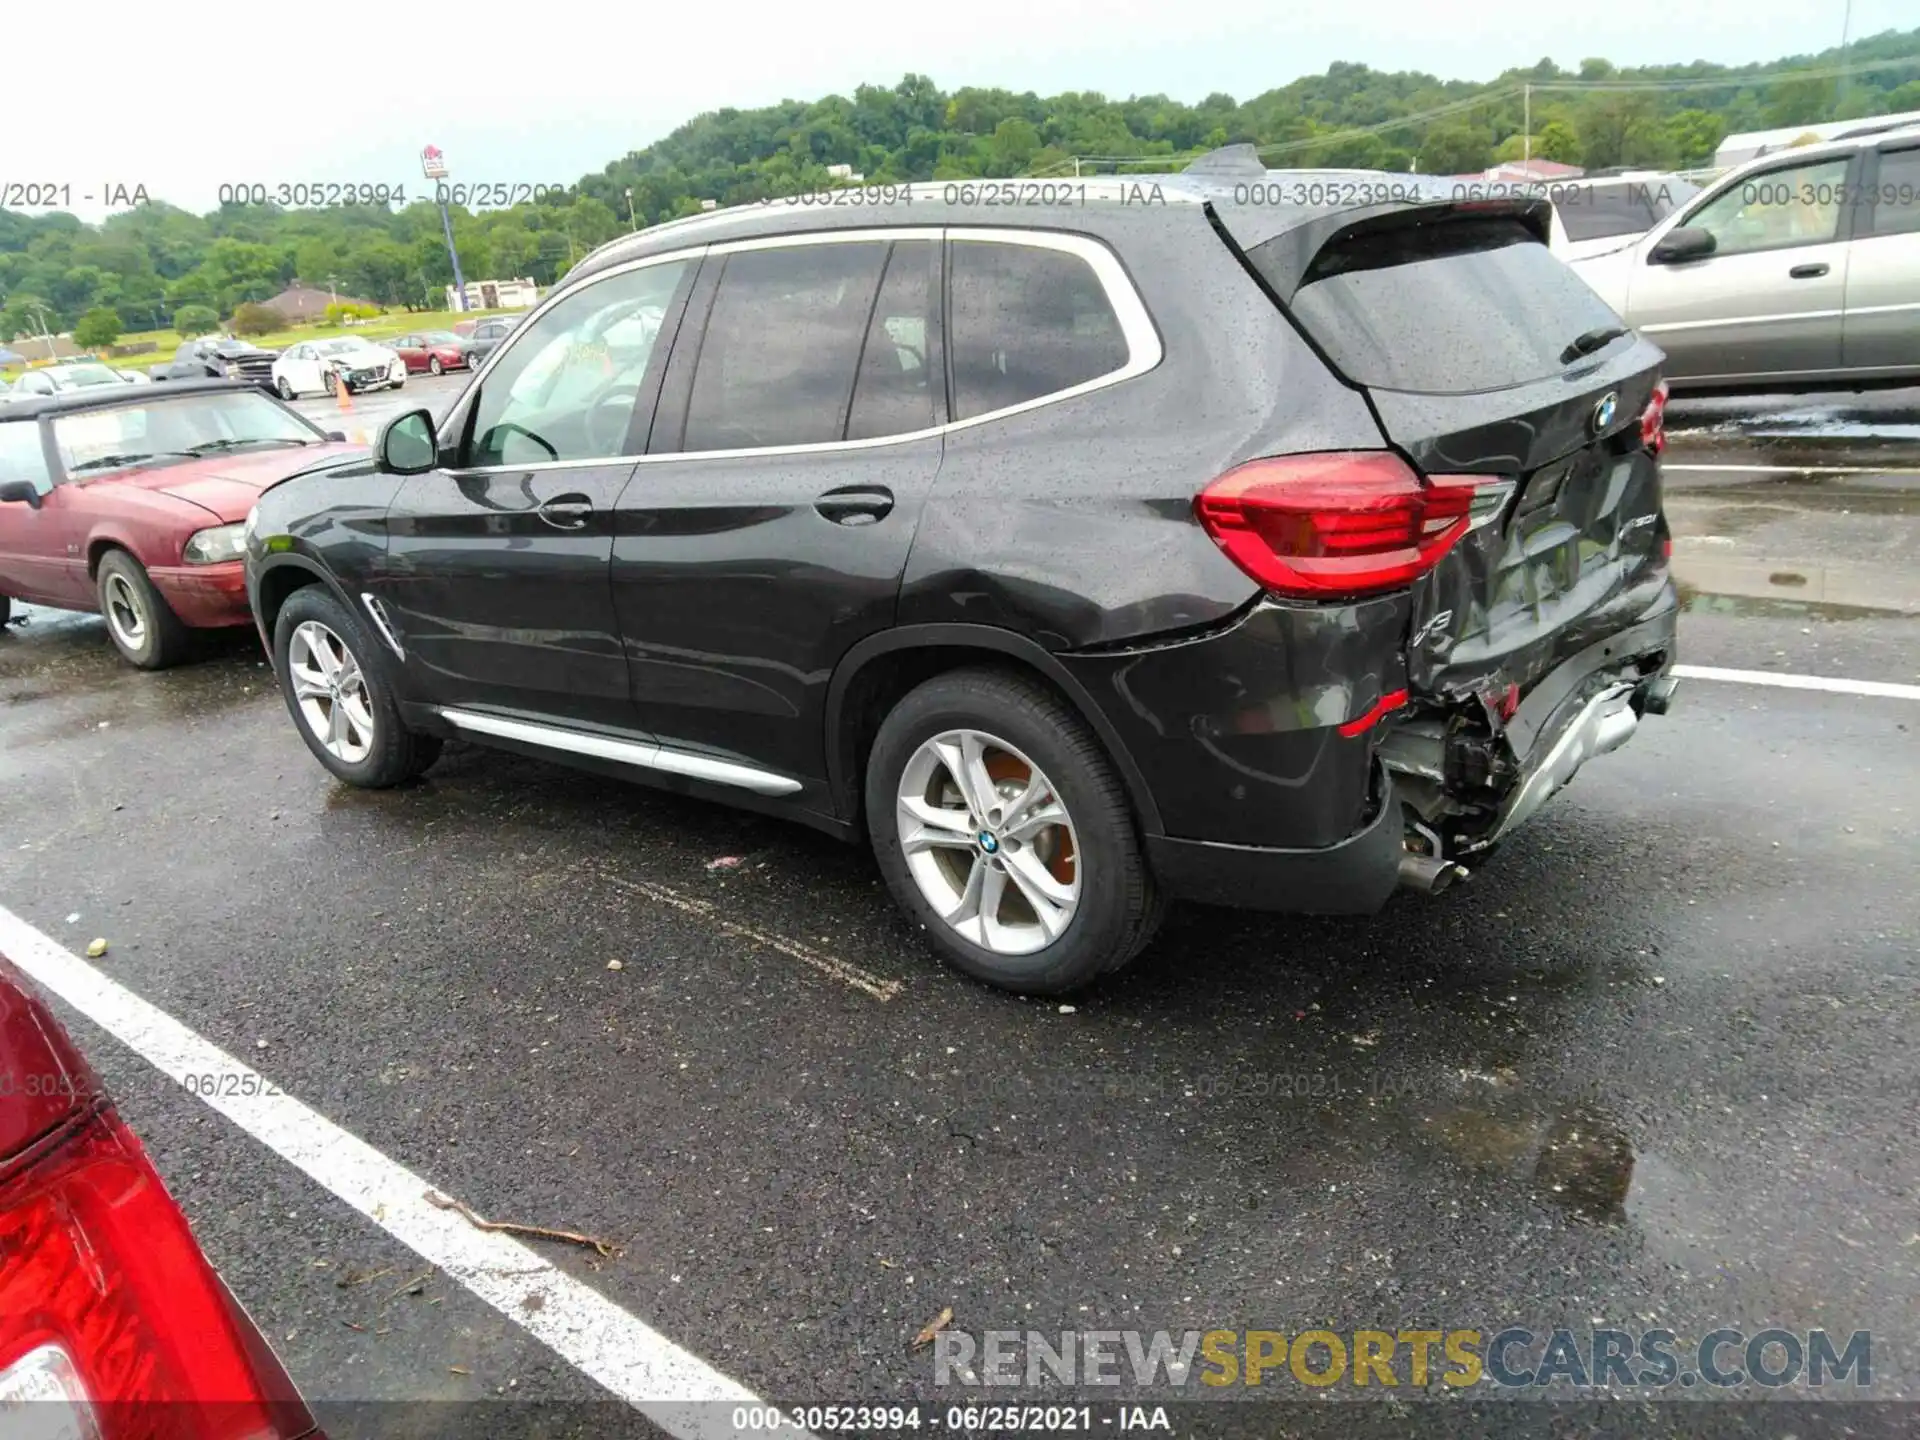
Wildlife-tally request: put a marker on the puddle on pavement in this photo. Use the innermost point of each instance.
(1696, 601)
(1579, 1158)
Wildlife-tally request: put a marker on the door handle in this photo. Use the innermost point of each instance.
(855, 505)
(1808, 272)
(567, 512)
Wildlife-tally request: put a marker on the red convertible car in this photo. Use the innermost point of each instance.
(432, 351)
(132, 503)
(112, 1322)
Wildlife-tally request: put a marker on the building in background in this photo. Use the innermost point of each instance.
(520, 294)
(299, 304)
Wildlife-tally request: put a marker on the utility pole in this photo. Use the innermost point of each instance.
(1526, 125)
(1840, 85)
(633, 222)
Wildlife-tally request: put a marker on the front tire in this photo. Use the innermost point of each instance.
(140, 623)
(434, 367)
(331, 678)
(1002, 829)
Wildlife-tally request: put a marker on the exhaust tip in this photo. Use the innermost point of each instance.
(1428, 875)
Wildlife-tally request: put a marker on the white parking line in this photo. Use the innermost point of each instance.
(671, 1386)
(1789, 469)
(1885, 689)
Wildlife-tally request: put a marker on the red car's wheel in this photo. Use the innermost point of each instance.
(140, 623)
(435, 366)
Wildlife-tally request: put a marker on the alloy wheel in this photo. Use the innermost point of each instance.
(126, 613)
(989, 842)
(332, 692)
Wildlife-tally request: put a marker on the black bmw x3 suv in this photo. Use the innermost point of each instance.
(1155, 540)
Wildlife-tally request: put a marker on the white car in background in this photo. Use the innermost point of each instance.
(313, 367)
(1597, 215)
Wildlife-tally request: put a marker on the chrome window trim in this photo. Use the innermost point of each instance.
(644, 754)
(1144, 350)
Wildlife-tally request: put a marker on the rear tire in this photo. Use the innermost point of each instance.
(140, 623)
(333, 678)
(1072, 899)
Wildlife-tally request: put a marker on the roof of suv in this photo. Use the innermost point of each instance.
(1103, 205)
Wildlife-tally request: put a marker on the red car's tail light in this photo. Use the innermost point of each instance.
(112, 1324)
(1653, 419)
(1340, 523)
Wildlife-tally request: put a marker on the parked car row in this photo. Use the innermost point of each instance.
(130, 504)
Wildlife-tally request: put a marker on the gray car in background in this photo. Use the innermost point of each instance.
(1799, 268)
(486, 338)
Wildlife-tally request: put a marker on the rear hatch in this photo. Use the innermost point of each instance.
(1482, 355)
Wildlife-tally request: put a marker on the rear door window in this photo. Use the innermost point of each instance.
(1895, 196)
(1462, 306)
(783, 346)
(894, 394)
(1025, 322)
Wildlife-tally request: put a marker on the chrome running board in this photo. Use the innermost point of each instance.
(645, 754)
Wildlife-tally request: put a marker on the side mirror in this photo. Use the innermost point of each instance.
(20, 490)
(1687, 242)
(407, 445)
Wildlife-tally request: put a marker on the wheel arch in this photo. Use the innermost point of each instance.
(279, 577)
(101, 542)
(878, 671)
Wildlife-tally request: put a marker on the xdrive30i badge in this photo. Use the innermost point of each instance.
(1604, 412)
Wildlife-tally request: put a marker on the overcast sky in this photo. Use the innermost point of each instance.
(187, 98)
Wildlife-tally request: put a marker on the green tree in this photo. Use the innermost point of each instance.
(1695, 135)
(191, 320)
(254, 319)
(1454, 148)
(98, 328)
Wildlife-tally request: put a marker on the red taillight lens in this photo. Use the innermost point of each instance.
(112, 1318)
(1653, 419)
(1339, 523)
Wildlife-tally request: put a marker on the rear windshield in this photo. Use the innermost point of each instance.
(1455, 307)
(1599, 212)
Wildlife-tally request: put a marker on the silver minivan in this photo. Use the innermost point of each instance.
(1798, 268)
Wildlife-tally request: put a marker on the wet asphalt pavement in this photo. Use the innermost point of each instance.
(1655, 1064)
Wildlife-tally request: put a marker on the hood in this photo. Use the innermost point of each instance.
(227, 486)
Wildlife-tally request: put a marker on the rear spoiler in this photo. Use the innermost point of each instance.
(1293, 239)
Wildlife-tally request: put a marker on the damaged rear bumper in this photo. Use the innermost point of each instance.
(1470, 787)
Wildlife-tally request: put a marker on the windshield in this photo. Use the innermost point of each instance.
(339, 347)
(95, 441)
(76, 377)
(439, 337)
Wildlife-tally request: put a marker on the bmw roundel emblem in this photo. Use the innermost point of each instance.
(1604, 412)
(987, 842)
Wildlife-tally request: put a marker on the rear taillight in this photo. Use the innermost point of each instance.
(112, 1324)
(1339, 523)
(1653, 419)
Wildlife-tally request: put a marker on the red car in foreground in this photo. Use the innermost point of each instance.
(431, 351)
(132, 501)
(113, 1324)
